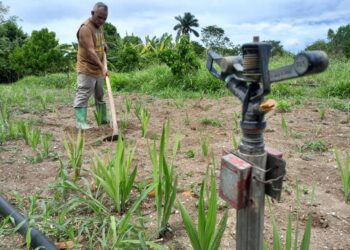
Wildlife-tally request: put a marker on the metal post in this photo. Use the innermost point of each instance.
(250, 220)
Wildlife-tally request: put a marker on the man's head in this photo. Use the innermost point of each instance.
(99, 14)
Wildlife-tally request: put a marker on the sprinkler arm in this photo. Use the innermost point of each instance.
(231, 67)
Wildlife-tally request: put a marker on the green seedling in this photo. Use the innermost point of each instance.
(208, 235)
(46, 140)
(115, 177)
(34, 138)
(289, 242)
(98, 117)
(322, 113)
(128, 104)
(190, 154)
(164, 180)
(204, 145)
(344, 173)
(145, 118)
(75, 149)
(284, 125)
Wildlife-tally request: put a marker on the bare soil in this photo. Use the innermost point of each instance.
(331, 215)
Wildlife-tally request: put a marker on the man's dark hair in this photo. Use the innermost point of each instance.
(100, 5)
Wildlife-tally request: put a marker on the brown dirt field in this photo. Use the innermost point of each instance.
(331, 215)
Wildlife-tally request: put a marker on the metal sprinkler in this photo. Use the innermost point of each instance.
(255, 170)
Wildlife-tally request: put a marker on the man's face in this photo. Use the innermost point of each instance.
(99, 16)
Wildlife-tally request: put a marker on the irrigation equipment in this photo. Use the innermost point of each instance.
(38, 240)
(255, 170)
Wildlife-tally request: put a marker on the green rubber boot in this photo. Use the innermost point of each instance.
(101, 108)
(80, 115)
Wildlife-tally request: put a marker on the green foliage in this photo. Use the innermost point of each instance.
(11, 36)
(214, 38)
(39, 55)
(128, 59)
(207, 235)
(344, 173)
(115, 177)
(185, 25)
(182, 60)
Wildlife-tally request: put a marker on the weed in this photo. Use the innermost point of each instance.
(344, 173)
(190, 154)
(284, 106)
(211, 122)
(208, 235)
(315, 146)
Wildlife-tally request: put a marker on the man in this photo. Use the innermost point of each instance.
(90, 68)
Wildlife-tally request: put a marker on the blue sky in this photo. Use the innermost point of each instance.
(296, 23)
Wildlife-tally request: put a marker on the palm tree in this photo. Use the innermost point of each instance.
(184, 27)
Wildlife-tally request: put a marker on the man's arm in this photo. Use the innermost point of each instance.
(85, 39)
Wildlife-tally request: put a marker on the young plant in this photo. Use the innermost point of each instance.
(205, 145)
(344, 172)
(115, 177)
(284, 125)
(164, 180)
(98, 117)
(290, 243)
(46, 140)
(207, 236)
(34, 138)
(75, 150)
(5, 113)
(145, 117)
(119, 232)
(128, 104)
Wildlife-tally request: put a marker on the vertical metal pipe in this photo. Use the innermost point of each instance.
(250, 220)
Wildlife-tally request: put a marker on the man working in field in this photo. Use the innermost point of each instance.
(90, 68)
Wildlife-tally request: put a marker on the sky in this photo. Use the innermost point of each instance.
(295, 23)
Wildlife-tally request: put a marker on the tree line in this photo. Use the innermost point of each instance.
(41, 53)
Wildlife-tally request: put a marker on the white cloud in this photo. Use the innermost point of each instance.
(296, 23)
